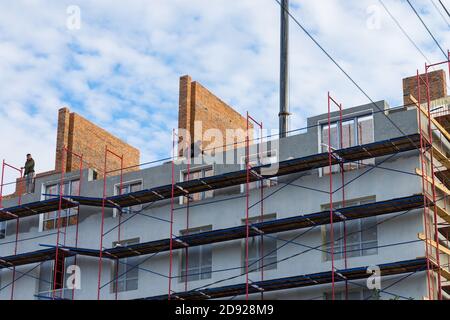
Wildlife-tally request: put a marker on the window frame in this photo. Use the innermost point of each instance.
(182, 265)
(326, 230)
(129, 183)
(202, 169)
(115, 264)
(3, 225)
(252, 220)
(355, 118)
(268, 183)
(68, 261)
(42, 219)
(362, 292)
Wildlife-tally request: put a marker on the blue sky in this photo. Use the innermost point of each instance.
(121, 68)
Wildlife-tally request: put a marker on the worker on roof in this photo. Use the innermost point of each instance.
(29, 174)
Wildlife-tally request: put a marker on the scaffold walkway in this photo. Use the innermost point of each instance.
(352, 274)
(227, 234)
(362, 152)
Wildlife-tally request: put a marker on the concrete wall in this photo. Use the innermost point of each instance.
(306, 194)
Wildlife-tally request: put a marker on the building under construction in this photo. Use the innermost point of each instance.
(360, 192)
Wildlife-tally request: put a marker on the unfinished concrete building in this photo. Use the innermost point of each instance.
(310, 216)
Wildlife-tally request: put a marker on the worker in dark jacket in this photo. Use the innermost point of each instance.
(29, 174)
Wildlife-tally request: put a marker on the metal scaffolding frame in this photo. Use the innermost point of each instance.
(86, 201)
(260, 179)
(19, 185)
(429, 201)
(104, 204)
(61, 254)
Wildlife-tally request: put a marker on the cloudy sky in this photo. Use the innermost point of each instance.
(120, 69)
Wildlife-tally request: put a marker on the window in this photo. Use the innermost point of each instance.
(356, 131)
(125, 270)
(199, 259)
(46, 278)
(195, 174)
(129, 187)
(358, 294)
(259, 248)
(260, 160)
(362, 234)
(68, 216)
(2, 229)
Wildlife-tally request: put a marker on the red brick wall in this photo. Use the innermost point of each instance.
(85, 138)
(196, 103)
(438, 87)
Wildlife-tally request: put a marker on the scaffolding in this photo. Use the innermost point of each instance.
(433, 201)
(386, 147)
(302, 281)
(429, 153)
(62, 221)
(104, 205)
(19, 190)
(260, 178)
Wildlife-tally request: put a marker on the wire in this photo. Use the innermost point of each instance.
(445, 9)
(28, 239)
(407, 35)
(440, 13)
(400, 280)
(426, 27)
(237, 142)
(277, 238)
(403, 31)
(271, 194)
(385, 289)
(24, 274)
(303, 252)
(341, 69)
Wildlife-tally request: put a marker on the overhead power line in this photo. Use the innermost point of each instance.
(403, 31)
(440, 13)
(428, 29)
(406, 34)
(340, 67)
(445, 8)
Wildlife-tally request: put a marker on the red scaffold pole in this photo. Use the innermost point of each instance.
(171, 215)
(102, 227)
(57, 272)
(248, 167)
(261, 203)
(342, 169)
(423, 147)
(330, 164)
(188, 197)
(247, 195)
(20, 171)
(106, 172)
(80, 181)
(65, 151)
(436, 231)
(120, 223)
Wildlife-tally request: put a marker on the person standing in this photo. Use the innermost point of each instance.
(29, 174)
